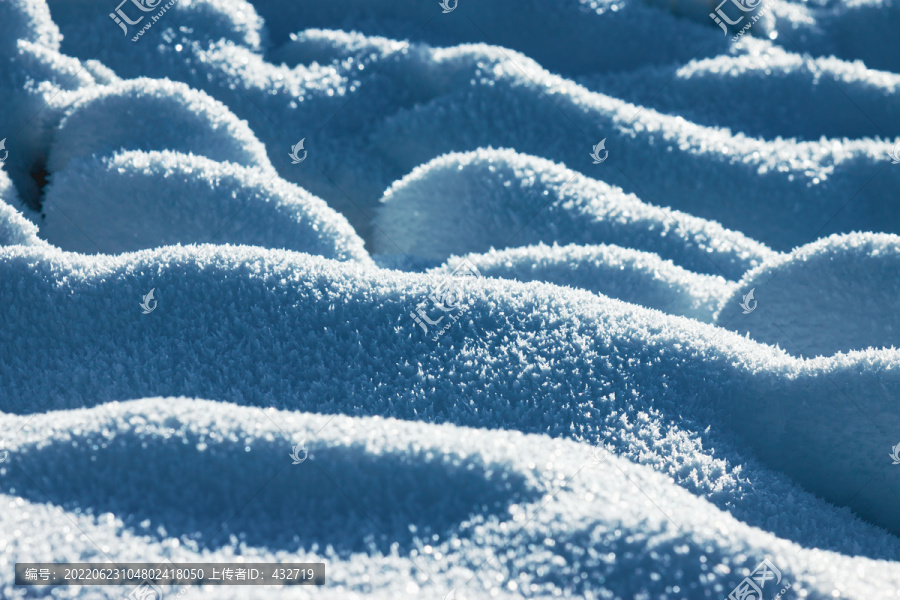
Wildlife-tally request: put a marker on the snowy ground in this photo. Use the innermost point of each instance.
(559, 298)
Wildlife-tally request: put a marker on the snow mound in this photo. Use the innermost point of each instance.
(379, 110)
(835, 295)
(455, 430)
(562, 36)
(631, 275)
(8, 192)
(37, 84)
(27, 20)
(146, 114)
(14, 228)
(539, 358)
(460, 496)
(830, 97)
(94, 204)
(88, 35)
(399, 485)
(770, 186)
(845, 29)
(471, 202)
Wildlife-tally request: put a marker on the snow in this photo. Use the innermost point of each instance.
(37, 83)
(412, 102)
(27, 20)
(93, 205)
(488, 198)
(591, 526)
(628, 359)
(835, 30)
(143, 114)
(831, 98)
(633, 276)
(817, 301)
(601, 411)
(14, 228)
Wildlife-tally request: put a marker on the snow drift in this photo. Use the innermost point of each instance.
(96, 205)
(412, 102)
(606, 353)
(835, 295)
(495, 507)
(492, 198)
(630, 275)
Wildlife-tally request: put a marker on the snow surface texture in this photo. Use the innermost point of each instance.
(489, 198)
(14, 228)
(489, 504)
(594, 364)
(402, 104)
(638, 277)
(830, 97)
(818, 301)
(605, 412)
(94, 205)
